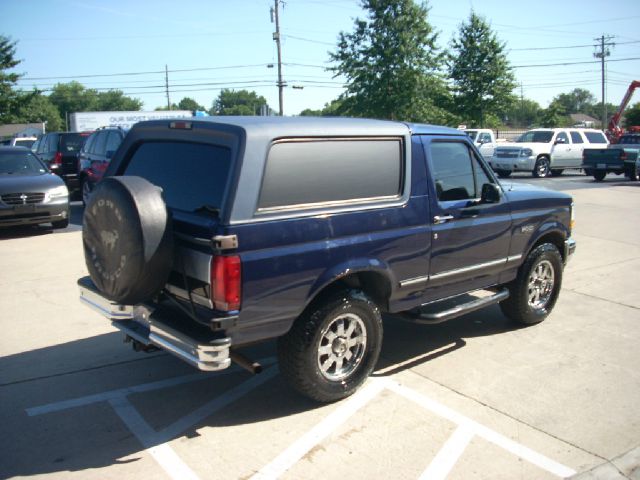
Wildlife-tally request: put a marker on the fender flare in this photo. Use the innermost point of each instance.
(347, 268)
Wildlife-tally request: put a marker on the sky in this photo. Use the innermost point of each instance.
(207, 45)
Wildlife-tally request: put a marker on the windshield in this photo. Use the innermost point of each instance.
(539, 136)
(472, 133)
(20, 163)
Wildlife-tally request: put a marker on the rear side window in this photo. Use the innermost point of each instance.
(310, 172)
(191, 175)
(70, 143)
(113, 142)
(595, 137)
(99, 143)
(575, 137)
(629, 139)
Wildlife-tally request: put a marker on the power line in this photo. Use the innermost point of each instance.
(559, 48)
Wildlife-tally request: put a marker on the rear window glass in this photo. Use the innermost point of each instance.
(71, 142)
(595, 137)
(191, 175)
(304, 173)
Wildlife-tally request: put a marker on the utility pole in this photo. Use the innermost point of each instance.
(602, 54)
(521, 106)
(276, 38)
(166, 86)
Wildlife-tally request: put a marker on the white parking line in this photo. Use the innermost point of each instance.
(157, 442)
(448, 455)
(340, 415)
(517, 449)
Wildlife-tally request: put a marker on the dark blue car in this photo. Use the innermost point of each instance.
(211, 234)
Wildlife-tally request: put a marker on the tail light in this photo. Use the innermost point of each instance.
(57, 160)
(226, 280)
(623, 155)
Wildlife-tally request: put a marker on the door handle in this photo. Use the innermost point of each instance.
(438, 219)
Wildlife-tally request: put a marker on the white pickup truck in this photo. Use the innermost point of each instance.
(484, 139)
(546, 151)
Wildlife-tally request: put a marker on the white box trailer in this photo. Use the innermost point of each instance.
(88, 121)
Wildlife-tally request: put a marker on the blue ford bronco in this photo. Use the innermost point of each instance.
(212, 234)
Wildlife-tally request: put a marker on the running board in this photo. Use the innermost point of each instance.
(431, 317)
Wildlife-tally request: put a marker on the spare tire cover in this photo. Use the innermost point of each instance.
(127, 238)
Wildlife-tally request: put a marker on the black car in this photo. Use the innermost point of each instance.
(59, 152)
(29, 193)
(95, 155)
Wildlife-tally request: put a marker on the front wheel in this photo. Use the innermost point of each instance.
(60, 224)
(535, 290)
(504, 173)
(332, 347)
(634, 173)
(542, 168)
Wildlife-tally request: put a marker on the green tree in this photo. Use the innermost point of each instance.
(73, 97)
(237, 102)
(555, 116)
(9, 98)
(483, 81)
(392, 64)
(331, 109)
(190, 104)
(116, 101)
(35, 107)
(523, 113)
(578, 100)
(632, 116)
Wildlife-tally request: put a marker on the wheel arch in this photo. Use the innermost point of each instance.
(373, 277)
(556, 236)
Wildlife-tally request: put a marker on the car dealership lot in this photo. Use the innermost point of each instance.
(472, 398)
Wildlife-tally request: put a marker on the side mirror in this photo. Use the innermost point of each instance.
(560, 141)
(490, 193)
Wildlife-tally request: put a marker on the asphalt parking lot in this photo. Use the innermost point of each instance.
(474, 398)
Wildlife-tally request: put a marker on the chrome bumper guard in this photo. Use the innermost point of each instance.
(569, 249)
(141, 324)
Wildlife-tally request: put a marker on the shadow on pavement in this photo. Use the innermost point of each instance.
(92, 435)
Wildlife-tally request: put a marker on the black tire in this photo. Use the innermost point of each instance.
(542, 168)
(85, 190)
(633, 173)
(599, 175)
(127, 238)
(504, 173)
(520, 307)
(557, 173)
(60, 224)
(588, 172)
(300, 355)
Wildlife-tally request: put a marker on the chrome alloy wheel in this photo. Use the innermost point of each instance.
(342, 346)
(541, 282)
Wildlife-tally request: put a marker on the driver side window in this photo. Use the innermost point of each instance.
(458, 175)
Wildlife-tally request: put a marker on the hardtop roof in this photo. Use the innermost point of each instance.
(316, 126)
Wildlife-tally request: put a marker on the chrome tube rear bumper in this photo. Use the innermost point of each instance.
(192, 343)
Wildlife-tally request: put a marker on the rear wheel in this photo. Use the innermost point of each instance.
(599, 175)
(535, 290)
(542, 168)
(85, 188)
(332, 347)
(634, 173)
